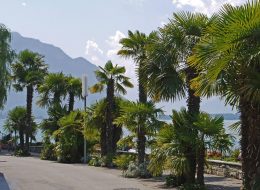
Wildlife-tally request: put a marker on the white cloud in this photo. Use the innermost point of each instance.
(205, 6)
(24, 4)
(92, 46)
(114, 44)
(94, 52)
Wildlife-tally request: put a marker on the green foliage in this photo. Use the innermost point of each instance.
(131, 114)
(122, 161)
(95, 161)
(111, 73)
(235, 154)
(28, 70)
(21, 153)
(192, 187)
(53, 90)
(70, 134)
(6, 57)
(16, 119)
(48, 151)
(134, 170)
(173, 181)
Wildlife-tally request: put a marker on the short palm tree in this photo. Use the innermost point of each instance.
(228, 60)
(28, 72)
(112, 77)
(131, 117)
(6, 57)
(16, 121)
(53, 90)
(73, 87)
(208, 127)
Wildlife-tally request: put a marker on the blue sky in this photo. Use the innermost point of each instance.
(92, 28)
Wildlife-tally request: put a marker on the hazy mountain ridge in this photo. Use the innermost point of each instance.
(58, 61)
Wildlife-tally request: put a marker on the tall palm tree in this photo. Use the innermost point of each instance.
(134, 46)
(169, 75)
(6, 57)
(228, 60)
(28, 72)
(112, 77)
(130, 117)
(73, 87)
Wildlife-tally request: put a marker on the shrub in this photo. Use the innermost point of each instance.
(107, 161)
(134, 170)
(48, 152)
(95, 161)
(192, 187)
(173, 181)
(235, 154)
(122, 161)
(20, 152)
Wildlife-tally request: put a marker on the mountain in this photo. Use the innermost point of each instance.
(58, 61)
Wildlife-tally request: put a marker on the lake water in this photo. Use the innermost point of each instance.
(227, 123)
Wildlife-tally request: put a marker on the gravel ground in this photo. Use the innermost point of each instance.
(31, 173)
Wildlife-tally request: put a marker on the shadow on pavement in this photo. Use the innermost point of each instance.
(3, 183)
(220, 187)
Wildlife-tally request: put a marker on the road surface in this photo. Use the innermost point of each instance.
(34, 174)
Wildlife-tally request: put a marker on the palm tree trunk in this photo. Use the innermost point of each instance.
(29, 116)
(193, 104)
(254, 146)
(109, 120)
(141, 139)
(21, 137)
(117, 132)
(244, 107)
(103, 140)
(201, 162)
(71, 102)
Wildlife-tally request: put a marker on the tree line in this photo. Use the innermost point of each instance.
(192, 56)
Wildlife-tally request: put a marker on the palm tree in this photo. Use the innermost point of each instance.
(169, 150)
(169, 75)
(98, 121)
(131, 117)
(73, 87)
(228, 60)
(6, 57)
(170, 146)
(16, 121)
(28, 72)
(208, 127)
(135, 47)
(113, 78)
(53, 90)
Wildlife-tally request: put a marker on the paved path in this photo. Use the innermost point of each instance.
(34, 174)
